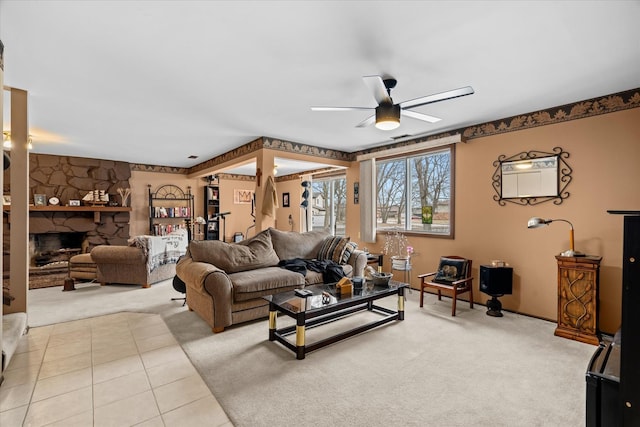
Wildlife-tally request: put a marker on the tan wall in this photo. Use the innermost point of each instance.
(294, 189)
(240, 218)
(604, 152)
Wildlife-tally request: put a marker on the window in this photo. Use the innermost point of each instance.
(329, 198)
(415, 193)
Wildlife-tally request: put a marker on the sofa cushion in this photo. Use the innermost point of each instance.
(333, 248)
(249, 254)
(264, 281)
(291, 244)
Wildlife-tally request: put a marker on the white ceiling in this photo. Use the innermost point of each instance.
(157, 81)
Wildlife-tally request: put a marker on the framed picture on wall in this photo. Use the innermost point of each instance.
(6, 199)
(285, 200)
(40, 199)
(242, 197)
(356, 193)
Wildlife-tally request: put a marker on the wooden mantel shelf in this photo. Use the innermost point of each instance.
(97, 210)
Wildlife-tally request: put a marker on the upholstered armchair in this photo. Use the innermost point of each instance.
(147, 259)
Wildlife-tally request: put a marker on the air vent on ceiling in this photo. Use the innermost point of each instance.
(401, 136)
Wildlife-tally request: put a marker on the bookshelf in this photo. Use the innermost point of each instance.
(212, 211)
(170, 209)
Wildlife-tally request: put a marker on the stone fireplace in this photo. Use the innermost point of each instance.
(52, 228)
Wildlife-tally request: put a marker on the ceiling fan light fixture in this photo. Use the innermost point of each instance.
(387, 116)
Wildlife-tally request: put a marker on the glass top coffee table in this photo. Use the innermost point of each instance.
(324, 306)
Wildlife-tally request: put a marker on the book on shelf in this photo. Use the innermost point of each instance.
(176, 212)
(165, 229)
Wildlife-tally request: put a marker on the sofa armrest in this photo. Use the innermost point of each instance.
(358, 260)
(208, 279)
(106, 254)
(194, 273)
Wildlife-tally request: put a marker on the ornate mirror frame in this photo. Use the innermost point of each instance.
(563, 176)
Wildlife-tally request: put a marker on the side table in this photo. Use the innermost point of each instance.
(403, 265)
(578, 288)
(375, 259)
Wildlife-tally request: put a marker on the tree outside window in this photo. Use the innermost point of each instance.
(329, 199)
(414, 193)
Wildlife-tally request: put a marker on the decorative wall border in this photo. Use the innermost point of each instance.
(308, 150)
(564, 113)
(139, 167)
(578, 110)
(236, 177)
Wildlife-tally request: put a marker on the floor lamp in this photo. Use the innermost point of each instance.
(224, 223)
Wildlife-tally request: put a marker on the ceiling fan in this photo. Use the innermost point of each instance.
(387, 114)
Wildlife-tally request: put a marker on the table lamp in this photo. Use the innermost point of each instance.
(537, 222)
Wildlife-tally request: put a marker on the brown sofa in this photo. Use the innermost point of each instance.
(225, 282)
(147, 259)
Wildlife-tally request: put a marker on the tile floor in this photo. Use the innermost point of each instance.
(122, 369)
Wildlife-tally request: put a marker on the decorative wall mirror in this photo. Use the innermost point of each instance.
(532, 177)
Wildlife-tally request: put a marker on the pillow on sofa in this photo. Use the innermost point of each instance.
(249, 254)
(291, 244)
(349, 248)
(333, 248)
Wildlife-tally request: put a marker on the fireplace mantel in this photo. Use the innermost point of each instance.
(96, 210)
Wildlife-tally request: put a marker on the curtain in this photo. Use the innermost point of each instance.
(368, 200)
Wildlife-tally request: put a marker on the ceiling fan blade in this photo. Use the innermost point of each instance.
(341, 108)
(376, 85)
(367, 122)
(430, 99)
(420, 116)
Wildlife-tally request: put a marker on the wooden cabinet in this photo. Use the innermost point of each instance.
(170, 209)
(212, 211)
(578, 284)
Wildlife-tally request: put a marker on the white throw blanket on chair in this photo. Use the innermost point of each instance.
(161, 250)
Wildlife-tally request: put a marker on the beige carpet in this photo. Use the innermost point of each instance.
(429, 370)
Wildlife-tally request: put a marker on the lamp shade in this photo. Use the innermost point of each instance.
(387, 116)
(537, 222)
